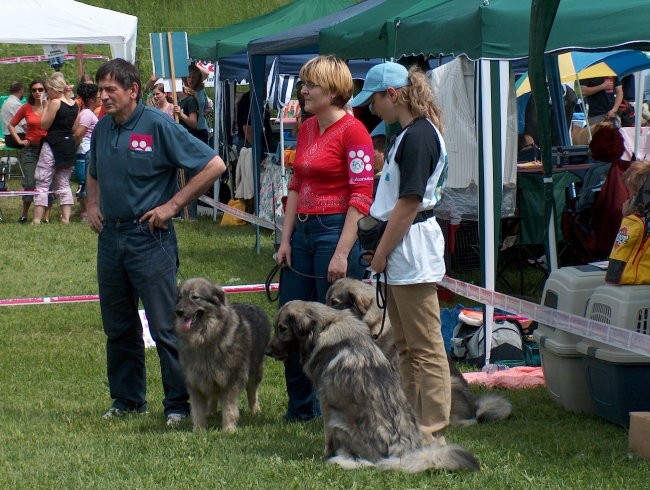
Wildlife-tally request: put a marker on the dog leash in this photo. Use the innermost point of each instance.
(274, 271)
(364, 260)
(381, 301)
(379, 294)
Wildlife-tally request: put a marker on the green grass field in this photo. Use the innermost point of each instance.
(52, 370)
(53, 379)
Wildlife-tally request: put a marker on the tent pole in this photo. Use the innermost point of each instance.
(639, 82)
(257, 71)
(584, 107)
(217, 107)
(80, 61)
(486, 197)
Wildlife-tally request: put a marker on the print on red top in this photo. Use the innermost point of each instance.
(360, 164)
(141, 142)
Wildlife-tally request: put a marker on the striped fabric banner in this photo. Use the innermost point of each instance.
(279, 87)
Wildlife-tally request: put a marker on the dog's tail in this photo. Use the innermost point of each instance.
(349, 463)
(450, 458)
(491, 407)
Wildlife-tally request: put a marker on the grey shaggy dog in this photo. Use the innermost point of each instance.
(360, 298)
(367, 420)
(221, 351)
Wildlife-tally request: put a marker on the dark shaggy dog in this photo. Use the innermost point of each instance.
(360, 298)
(221, 350)
(366, 417)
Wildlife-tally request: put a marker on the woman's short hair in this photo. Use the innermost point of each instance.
(331, 74)
(123, 72)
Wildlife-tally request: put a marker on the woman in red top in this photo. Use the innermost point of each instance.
(31, 143)
(330, 190)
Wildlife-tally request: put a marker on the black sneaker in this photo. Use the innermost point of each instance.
(175, 419)
(22, 220)
(118, 413)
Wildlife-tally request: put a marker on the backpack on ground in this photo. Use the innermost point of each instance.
(468, 341)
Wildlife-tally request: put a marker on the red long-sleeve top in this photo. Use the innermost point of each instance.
(333, 170)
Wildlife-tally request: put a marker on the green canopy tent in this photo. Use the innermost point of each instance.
(491, 31)
(488, 29)
(214, 45)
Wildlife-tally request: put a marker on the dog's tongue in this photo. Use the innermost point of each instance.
(188, 324)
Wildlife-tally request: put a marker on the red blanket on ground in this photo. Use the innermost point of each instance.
(515, 377)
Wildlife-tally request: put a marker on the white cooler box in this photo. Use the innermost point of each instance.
(567, 289)
(563, 368)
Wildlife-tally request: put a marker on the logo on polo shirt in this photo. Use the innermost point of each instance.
(360, 163)
(141, 142)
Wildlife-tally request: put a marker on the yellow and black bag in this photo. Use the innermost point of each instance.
(230, 219)
(629, 261)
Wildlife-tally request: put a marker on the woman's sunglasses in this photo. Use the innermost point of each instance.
(38, 89)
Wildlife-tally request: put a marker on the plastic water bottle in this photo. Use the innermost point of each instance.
(493, 368)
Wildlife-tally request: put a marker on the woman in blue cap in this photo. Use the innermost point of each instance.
(411, 250)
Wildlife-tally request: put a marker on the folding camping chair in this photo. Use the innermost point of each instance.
(515, 255)
(10, 159)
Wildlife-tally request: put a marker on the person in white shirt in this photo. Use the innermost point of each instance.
(9, 108)
(411, 251)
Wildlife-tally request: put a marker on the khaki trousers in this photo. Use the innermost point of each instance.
(415, 317)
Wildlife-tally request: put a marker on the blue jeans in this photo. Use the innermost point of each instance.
(133, 264)
(312, 246)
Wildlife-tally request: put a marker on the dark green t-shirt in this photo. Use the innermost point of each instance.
(136, 163)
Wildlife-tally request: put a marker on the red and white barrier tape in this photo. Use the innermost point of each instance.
(238, 213)
(585, 327)
(22, 193)
(85, 298)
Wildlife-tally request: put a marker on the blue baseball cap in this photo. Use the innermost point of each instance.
(379, 79)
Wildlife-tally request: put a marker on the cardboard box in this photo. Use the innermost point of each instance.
(640, 434)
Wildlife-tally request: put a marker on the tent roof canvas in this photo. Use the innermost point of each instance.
(304, 38)
(494, 29)
(68, 22)
(214, 45)
(365, 36)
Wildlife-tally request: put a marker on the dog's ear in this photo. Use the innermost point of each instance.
(217, 295)
(360, 302)
(302, 324)
(305, 328)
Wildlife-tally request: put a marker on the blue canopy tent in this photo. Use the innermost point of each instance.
(218, 44)
(235, 67)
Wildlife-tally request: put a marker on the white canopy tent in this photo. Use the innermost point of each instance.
(68, 22)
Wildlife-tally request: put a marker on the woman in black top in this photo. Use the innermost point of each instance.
(58, 153)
